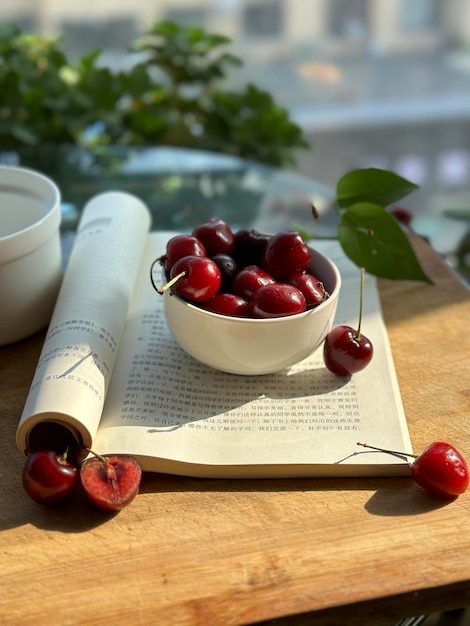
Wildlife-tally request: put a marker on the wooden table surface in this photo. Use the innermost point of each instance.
(201, 552)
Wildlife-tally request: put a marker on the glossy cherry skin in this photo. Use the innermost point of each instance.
(201, 281)
(216, 236)
(344, 354)
(48, 478)
(249, 247)
(441, 469)
(277, 300)
(248, 280)
(285, 254)
(311, 287)
(228, 304)
(180, 246)
(228, 269)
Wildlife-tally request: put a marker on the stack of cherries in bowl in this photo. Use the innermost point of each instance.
(246, 302)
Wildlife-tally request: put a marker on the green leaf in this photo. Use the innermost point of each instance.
(372, 185)
(373, 239)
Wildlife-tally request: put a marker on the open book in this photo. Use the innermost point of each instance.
(111, 374)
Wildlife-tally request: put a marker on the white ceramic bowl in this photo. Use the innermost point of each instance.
(254, 346)
(30, 253)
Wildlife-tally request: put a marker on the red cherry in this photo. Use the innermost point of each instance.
(228, 304)
(402, 215)
(249, 247)
(48, 477)
(216, 236)
(286, 254)
(196, 278)
(311, 287)
(345, 351)
(180, 246)
(277, 300)
(228, 269)
(441, 469)
(111, 482)
(248, 280)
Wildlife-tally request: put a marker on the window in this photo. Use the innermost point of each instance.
(25, 23)
(348, 18)
(262, 19)
(418, 15)
(187, 16)
(80, 36)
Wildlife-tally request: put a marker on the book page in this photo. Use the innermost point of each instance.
(79, 352)
(179, 416)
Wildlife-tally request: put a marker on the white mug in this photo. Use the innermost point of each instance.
(30, 252)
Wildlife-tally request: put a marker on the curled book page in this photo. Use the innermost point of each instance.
(77, 360)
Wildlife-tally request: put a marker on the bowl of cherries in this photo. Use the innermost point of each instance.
(246, 302)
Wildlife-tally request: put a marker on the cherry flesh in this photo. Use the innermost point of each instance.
(228, 304)
(48, 478)
(285, 254)
(277, 300)
(311, 287)
(196, 278)
(216, 236)
(346, 352)
(111, 482)
(247, 282)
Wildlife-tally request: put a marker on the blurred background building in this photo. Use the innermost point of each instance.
(372, 82)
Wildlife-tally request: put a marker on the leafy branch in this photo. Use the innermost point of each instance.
(369, 235)
(176, 93)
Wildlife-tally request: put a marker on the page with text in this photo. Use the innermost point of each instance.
(182, 417)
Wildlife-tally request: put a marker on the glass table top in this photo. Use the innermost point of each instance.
(184, 187)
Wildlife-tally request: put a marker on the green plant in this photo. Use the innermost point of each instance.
(175, 94)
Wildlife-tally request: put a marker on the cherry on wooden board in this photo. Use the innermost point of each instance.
(440, 468)
(110, 482)
(48, 477)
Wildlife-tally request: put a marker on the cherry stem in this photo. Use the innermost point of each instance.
(109, 467)
(170, 283)
(103, 459)
(63, 457)
(315, 214)
(361, 298)
(395, 452)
